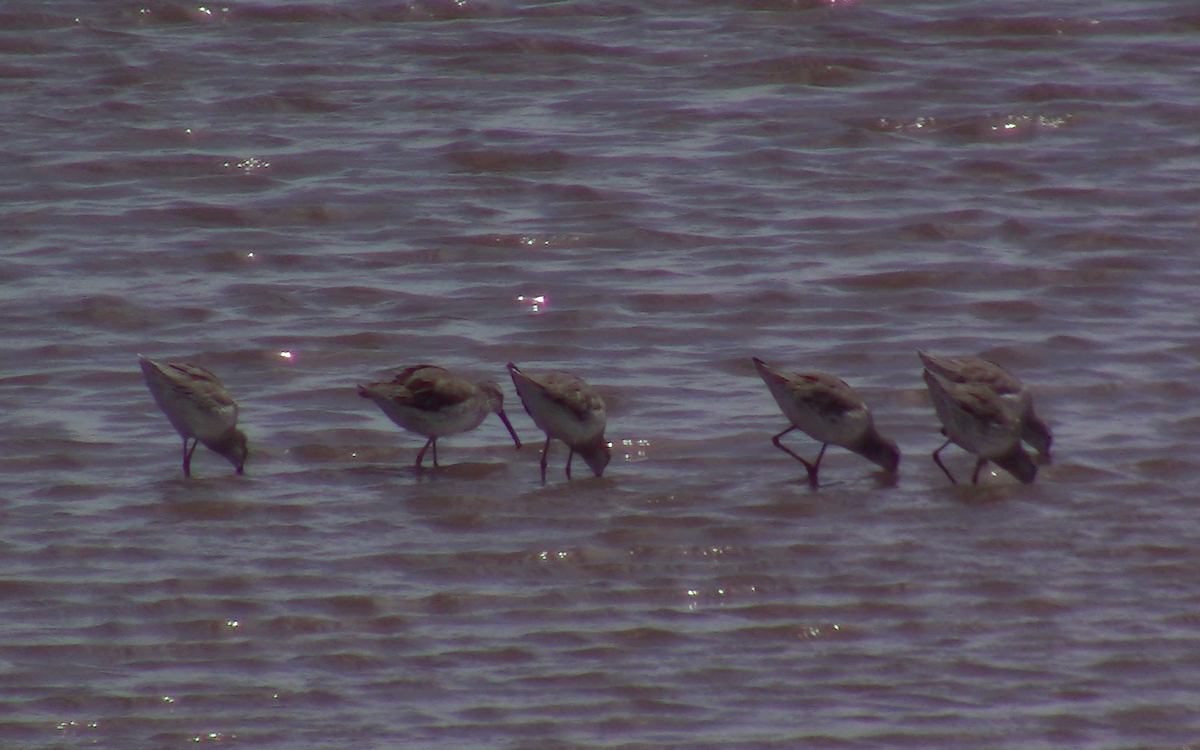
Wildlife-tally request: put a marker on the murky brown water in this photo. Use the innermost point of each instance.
(684, 186)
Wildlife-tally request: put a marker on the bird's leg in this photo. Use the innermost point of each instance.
(812, 470)
(817, 466)
(421, 453)
(937, 460)
(570, 455)
(978, 465)
(545, 453)
(187, 456)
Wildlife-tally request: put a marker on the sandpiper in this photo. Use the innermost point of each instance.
(199, 408)
(1006, 385)
(826, 409)
(980, 421)
(431, 401)
(566, 408)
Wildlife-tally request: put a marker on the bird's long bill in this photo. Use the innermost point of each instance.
(511, 431)
(1019, 464)
(597, 456)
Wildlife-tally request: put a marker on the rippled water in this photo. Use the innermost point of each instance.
(647, 196)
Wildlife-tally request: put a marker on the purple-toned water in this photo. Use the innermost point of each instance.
(368, 185)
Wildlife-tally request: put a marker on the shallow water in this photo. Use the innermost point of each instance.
(647, 196)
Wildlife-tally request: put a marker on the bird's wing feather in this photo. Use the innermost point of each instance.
(430, 388)
(571, 392)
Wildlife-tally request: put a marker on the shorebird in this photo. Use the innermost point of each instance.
(431, 401)
(199, 408)
(1006, 385)
(566, 408)
(977, 419)
(826, 409)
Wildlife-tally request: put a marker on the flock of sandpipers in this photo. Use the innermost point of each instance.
(982, 407)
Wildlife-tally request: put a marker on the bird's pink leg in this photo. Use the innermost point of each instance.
(978, 465)
(937, 460)
(812, 470)
(421, 453)
(545, 453)
(187, 456)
